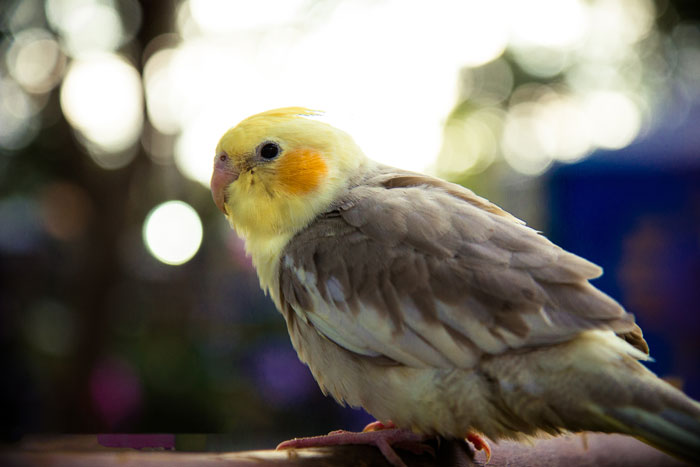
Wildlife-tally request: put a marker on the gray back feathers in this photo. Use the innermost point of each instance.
(425, 272)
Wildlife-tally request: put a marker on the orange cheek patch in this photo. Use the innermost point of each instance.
(300, 172)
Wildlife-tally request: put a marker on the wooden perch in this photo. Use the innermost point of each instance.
(591, 449)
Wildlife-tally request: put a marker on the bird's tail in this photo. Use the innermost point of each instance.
(628, 398)
(613, 392)
(596, 383)
(673, 426)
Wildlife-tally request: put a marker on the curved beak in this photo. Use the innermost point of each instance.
(224, 174)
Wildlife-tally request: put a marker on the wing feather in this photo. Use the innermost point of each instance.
(428, 274)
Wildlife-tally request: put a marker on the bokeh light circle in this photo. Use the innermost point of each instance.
(35, 60)
(172, 232)
(102, 97)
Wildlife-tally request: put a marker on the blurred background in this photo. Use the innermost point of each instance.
(126, 302)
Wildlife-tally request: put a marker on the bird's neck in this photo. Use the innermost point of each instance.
(265, 251)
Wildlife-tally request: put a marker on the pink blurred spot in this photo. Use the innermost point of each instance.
(115, 390)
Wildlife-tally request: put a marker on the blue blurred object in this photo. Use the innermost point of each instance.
(636, 213)
(20, 229)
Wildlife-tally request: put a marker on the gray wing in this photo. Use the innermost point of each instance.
(426, 273)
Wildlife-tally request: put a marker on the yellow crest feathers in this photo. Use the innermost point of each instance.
(287, 112)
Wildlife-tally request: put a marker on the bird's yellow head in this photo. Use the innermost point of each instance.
(277, 170)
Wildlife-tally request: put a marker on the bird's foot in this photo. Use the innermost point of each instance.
(386, 437)
(479, 444)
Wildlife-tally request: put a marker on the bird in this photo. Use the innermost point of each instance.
(435, 310)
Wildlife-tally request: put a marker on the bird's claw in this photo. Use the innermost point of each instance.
(377, 425)
(480, 444)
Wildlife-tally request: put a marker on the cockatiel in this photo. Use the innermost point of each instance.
(429, 306)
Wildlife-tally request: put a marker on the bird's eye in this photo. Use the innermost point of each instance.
(222, 158)
(269, 151)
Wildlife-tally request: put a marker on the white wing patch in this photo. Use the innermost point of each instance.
(475, 331)
(335, 290)
(327, 319)
(457, 353)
